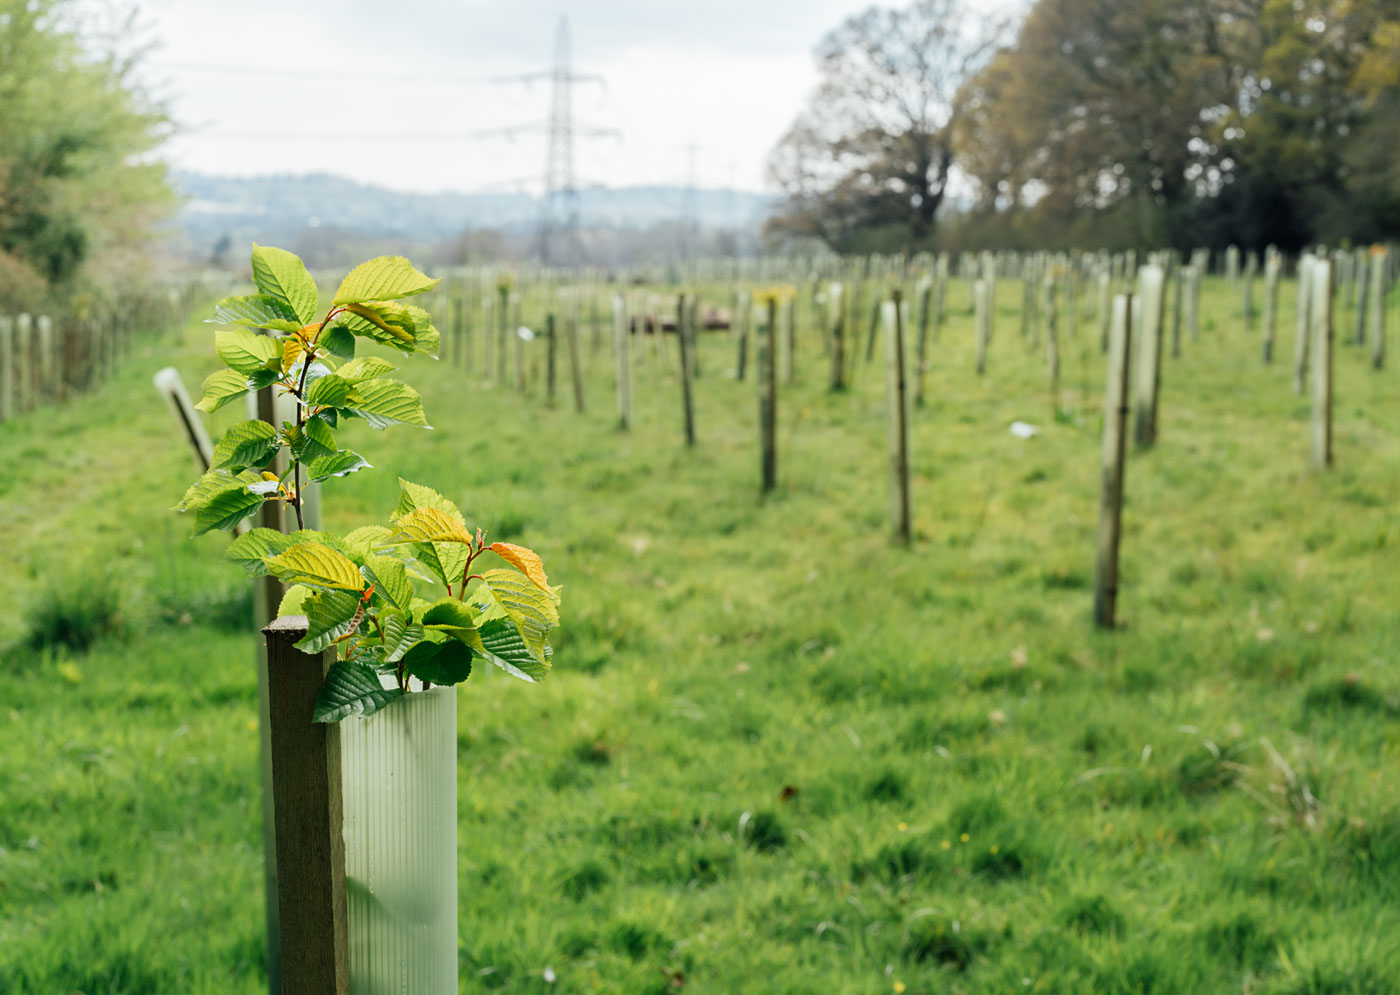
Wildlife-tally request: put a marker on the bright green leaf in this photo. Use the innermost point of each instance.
(312, 440)
(245, 351)
(335, 465)
(383, 402)
(220, 387)
(329, 615)
(294, 601)
(364, 368)
(316, 565)
(400, 633)
(390, 580)
(382, 279)
(364, 539)
(256, 311)
(245, 444)
(282, 276)
(328, 391)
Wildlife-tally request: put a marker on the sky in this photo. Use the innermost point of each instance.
(407, 94)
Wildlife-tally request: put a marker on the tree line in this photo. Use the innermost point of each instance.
(1114, 123)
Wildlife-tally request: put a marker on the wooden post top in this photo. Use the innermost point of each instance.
(286, 626)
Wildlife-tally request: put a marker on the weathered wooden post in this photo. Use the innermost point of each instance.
(1052, 343)
(743, 318)
(518, 339)
(1378, 260)
(834, 293)
(7, 367)
(896, 389)
(549, 358)
(1271, 271)
(1251, 263)
(1303, 322)
(502, 330)
(768, 395)
(981, 306)
(1115, 420)
(308, 806)
(48, 359)
(1362, 282)
(488, 335)
(1232, 266)
(687, 348)
(172, 388)
(1178, 276)
(1150, 278)
(622, 354)
(1320, 297)
(787, 352)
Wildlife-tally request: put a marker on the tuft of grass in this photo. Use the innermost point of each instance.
(73, 610)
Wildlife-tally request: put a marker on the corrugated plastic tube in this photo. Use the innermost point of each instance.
(399, 776)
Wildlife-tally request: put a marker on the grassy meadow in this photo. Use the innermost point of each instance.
(778, 753)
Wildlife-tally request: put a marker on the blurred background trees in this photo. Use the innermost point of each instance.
(79, 186)
(1111, 123)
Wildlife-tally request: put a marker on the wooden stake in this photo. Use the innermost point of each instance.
(1149, 371)
(894, 316)
(1376, 330)
(622, 354)
(7, 368)
(834, 294)
(923, 291)
(24, 363)
(549, 359)
(309, 815)
(1115, 420)
(768, 397)
(1320, 296)
(575, 363)
(687, 347)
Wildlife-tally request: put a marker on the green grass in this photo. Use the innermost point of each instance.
(778, 752)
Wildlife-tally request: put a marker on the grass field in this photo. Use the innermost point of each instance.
(778, 752)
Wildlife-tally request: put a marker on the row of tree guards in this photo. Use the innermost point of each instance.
(47, 360)
(1159, 301)
(483, 334)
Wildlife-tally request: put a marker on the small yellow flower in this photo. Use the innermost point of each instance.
(964, 837)
(899, 987)
(946, 845)
(995, 849)
(903, 827)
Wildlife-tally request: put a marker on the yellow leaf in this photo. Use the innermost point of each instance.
(527, 561)
(317, 565)
(292, 350)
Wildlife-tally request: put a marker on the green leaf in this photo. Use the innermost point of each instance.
(245, 351)
(312, 441)
(389, 318)
(450, 617)
(364, 539)
(256, 311)
(429, 525)
(383, 279)
(294, 600)
(353, 324)
(501, 644)
(226, 510)
(210, 483)
(445, 559)
(329, 391)
(425, 336)
(316, 565)
(351, 689)
(245, 444)
(329, 615)
(256, 546)
(220, 387)
(383, 402)
(400, 633)
(281, 276)
(439, 663)
(337, 340)
(259, 379)
(364, 368)
(533, 611)
(335, 465)
(390, 580)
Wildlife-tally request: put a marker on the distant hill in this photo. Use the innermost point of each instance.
(278, 208)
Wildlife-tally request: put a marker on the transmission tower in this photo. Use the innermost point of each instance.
(557, 234)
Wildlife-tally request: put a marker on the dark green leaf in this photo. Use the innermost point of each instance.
(338, 341)
(329, 615)
(502, 645)
(245, 444)
(439, 663)
(336, 465)
(313, 440)
(257, 311)
(351, 689)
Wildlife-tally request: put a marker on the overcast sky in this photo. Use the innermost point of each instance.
(271, 86)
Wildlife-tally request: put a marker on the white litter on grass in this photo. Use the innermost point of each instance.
(1024, 431)
(525, 333)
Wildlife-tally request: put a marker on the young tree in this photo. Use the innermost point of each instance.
(874, 147)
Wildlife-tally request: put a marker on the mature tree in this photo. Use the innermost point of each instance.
(77, 184)
(874, 148)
